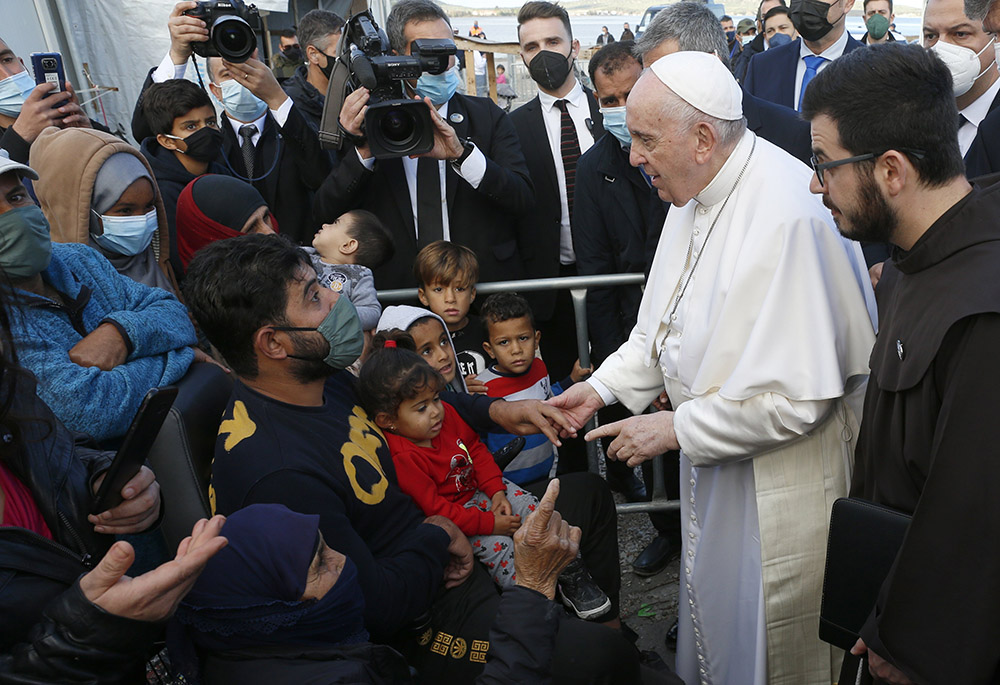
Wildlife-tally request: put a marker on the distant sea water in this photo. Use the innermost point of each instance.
(587, 27)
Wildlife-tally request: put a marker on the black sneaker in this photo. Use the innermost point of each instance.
(581, 594)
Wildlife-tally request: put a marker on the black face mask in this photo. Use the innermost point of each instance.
(292, 52)
(328, 69)
(549, 69)
(809, 18)
(204, 145)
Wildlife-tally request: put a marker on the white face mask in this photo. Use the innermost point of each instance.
(963, 64)
(746, 39)
(14, 90)
(127, 235)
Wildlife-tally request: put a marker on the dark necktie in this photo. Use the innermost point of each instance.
(569, 146)
(247, 133)
(430, 225)
(812, 68)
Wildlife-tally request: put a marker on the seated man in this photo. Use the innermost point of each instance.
(96, 340)
(294, 434)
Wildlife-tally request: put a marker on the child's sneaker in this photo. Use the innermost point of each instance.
(581, 594)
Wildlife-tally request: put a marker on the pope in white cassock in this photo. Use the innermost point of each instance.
(757, 319)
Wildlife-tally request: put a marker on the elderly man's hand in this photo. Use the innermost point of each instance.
(879, 667)
(530, 417)
(259, 80)
(460, 565)
(184, 30)
(137, 513)
(155, 595)
(639, 438)
(103, 347)
(545, 545)
(578, 404)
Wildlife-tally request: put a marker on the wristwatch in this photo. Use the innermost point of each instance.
(468, 148)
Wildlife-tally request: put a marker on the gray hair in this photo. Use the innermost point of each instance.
(317, 27)
(692, 25)
(976, 10)
(405, 11)
(686, 116)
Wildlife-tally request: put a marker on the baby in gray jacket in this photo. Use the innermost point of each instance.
(344, 254)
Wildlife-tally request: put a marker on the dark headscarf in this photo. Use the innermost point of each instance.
(249, 594)
(213, 207)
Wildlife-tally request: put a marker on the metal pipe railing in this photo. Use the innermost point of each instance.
(577, 285)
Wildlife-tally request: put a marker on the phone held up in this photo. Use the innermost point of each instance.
(48, 68)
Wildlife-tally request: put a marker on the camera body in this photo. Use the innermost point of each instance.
(395, 125)
(232, 27)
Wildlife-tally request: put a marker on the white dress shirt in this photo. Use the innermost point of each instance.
(579, 112)
(472, 170)
(974, 114)
(831, 53)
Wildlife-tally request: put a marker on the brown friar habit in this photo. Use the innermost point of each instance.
(930, 446)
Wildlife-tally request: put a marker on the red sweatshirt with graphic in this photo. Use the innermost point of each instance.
(442, 478)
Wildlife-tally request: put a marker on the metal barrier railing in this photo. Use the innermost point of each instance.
(577, 286)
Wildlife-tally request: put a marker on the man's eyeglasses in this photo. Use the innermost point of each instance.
(820, 167)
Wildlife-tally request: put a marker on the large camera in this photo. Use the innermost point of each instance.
(395, 125)
(231, 27)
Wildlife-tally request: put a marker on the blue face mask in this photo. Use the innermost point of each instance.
(614, 123)
(127, 235)
(731, 35)
(438, 88)
(13, 92)
(240, 103)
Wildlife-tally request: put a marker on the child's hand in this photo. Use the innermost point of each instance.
(505, 525)
(579, 373)
(476, 387)
(501, 505)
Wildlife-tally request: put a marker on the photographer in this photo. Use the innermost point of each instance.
(468, 189)
(266, 139)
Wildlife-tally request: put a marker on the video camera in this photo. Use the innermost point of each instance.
(395, 125)
(231, 29)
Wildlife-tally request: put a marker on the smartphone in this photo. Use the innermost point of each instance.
(48, 68)
(135, 448)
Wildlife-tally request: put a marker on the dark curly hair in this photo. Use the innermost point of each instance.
(394, 374)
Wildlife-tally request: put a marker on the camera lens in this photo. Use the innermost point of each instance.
(233, 38)
(397, 127)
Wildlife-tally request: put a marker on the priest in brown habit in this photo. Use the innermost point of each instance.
(887, 163)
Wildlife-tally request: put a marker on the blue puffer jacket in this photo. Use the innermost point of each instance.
(153, 322)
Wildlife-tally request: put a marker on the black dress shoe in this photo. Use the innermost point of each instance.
(654, 558)
(671, 638)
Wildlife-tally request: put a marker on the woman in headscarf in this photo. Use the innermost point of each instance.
(214, 207)
(98, 190)
(278, 606)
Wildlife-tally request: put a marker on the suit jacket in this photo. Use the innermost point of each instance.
(771, 74)
(616, 214)
(779, 125)
(983, 156)
(300, 166)
(483, 219)
(295, 166)
(541, 227)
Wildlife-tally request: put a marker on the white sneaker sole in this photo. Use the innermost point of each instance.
(587, 615)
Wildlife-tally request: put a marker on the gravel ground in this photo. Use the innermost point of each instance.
(648, 605)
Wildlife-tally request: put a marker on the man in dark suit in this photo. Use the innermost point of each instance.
(469, 189)
(266, 140)
(555, 128)
(780, 75)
